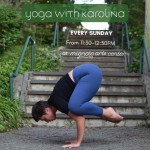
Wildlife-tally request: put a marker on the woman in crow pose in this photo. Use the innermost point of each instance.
(72, 95)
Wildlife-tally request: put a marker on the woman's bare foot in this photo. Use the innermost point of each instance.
(111, 115)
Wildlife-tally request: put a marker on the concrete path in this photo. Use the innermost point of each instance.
(43, 138)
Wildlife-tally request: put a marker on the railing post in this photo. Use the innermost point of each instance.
(22, 56)
(141, 59)
(129, 48)
(127, 36)
(122, 41)
(57, 34)
(11, 75)
(11, 85)
(32, 55)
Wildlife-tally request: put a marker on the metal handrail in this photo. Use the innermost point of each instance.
(144, 46)
(15, 74)
(56, 36)
(125, 30)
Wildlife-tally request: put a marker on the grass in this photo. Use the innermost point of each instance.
(10, 114)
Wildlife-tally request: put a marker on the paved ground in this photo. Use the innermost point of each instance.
(38, 138)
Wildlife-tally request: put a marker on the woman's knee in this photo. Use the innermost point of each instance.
(73, 108)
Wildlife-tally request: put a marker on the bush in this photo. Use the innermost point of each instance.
(8, 65)
(10, 114)
(43, 33)
(46, 59)
(10, 27)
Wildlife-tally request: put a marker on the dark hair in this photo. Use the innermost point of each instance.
(38, 109)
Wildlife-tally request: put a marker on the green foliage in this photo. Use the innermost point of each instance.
(46, 59)
(135, 44)
(41, 32)
(10, 25)
(135, 27)
(8, 61)
(53, 1)
(10, 114)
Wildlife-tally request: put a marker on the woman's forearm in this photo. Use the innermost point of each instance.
(80, 123)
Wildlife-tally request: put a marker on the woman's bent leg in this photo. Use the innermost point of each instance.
(79, 102)
(88, 79)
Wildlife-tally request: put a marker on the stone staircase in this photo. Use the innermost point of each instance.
(121, 90)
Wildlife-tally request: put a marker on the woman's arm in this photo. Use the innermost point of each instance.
(80, 123)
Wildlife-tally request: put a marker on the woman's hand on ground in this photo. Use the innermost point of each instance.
(72, 144)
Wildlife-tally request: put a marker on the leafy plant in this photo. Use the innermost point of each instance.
(10, 114)
(46, 59)
(135, 27)
(8, 65)
(10, 26)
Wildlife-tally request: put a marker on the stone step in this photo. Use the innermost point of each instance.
(64, 116)
(100, 64)
(101, 97)
(103, 65)
(103, 83)
(107, 76)
(48, 85)
(107, 97)
(102, 51)
(110, 46)
(93, 59)
(68, 68)
(116, 105)
(90, 54)
(103, 68)
(97, 99)
(122, 79)
(122, 108)
(117, 50)
(140, 94)
(92, 121)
